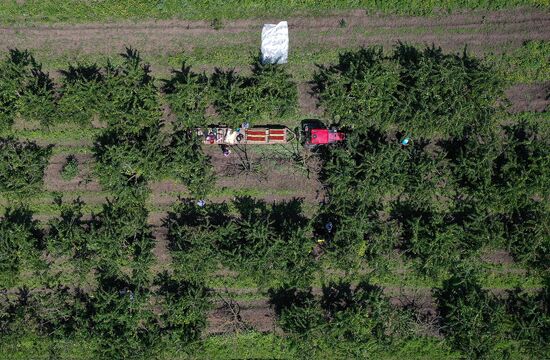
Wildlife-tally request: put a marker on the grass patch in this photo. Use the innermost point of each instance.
(71, 11)
(250, 345)
(527, 64)
(70, 169)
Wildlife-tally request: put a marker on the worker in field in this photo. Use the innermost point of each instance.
(225, 150)
(211, 138)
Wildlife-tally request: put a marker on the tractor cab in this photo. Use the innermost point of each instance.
(316, 133)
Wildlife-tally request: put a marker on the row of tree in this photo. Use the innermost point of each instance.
(461, 183)
(133, 148)
(128, 311)
(114, 298)
(465, 180)
(88, 92)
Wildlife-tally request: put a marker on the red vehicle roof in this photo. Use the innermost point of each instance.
(325, 136)
(319, 136)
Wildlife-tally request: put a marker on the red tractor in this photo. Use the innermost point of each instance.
(315, 133)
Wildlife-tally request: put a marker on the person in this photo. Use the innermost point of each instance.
(328, 226)
(211, 138)
(226, 151)
(201, 203)
(405, 141)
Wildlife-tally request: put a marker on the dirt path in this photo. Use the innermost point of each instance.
(534, 97)
(84, 181)
(482, 31)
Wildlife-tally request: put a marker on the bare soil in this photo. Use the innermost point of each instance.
(480, 30)
(498, 257)
(532, 97)
(260, 315)
(84, 181)
(255, 314)
(308, 102)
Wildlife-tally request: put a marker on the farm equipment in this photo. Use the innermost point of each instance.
(257, 135)
(313, 133)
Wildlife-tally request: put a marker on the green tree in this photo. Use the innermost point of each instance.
(82, 93)
(20, 243)
(129, 152)
(342, 323)
(14, 69)
(267, 93)
(22, 166)
(190, 164)
(184, 305)
(188, 95)
(122, 319)
(123, 239)
(472, 320)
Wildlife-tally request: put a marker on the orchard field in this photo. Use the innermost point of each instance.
(365, 249)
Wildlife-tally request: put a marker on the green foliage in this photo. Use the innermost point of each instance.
(189, 163)
(345, 322)
(122, 319)
(461, 184)
(13, 72)
(22, 166)
(20, 242)
(57, 312)
(37, 99)
(275, 87)
(25, 90)
(70, 168)
(129, 160)
(270, 242)
(472, 320)
(123, 239)
(528, 234)
(521, 176)
(129, 151)
(421, 93)
(438, 200)
(192, 233)
(531, 319)
(132, 101)
(188, 94)
(184, 305)
(69, 235)
(82, 93)
(269, 92)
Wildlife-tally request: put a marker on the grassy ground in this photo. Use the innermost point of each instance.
(12, 11)
(526, 64)
(247, 345)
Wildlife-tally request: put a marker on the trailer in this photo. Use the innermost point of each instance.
(313, 133)
(255, 136)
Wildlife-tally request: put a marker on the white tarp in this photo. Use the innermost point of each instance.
(275, 43)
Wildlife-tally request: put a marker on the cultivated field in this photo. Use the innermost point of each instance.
(397, 211)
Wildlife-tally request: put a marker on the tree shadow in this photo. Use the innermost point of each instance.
(82, 73)
(284, 298)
